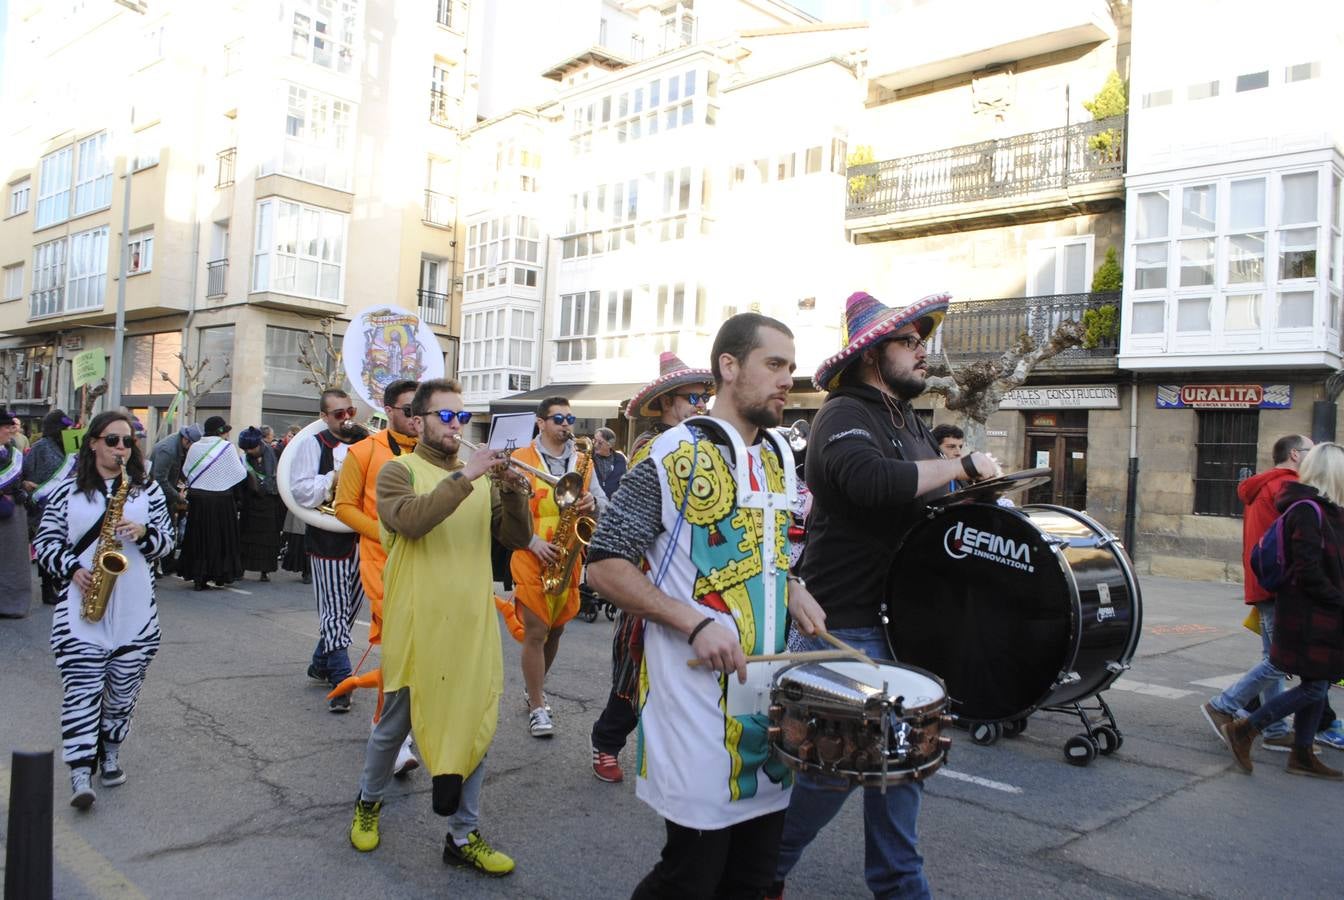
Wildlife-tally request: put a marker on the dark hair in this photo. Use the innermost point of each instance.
(544, 407)
(330, 392)
(397, 388)
(53, 423)
(427, 389)
(606, 434)
(1284, 447)
(942, 432)
(87, 478)
(738, 336)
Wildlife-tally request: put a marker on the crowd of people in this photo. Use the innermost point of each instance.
(687, 536)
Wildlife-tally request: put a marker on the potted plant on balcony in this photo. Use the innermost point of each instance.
(1112, 100)
(861, 187)
(1101, 325)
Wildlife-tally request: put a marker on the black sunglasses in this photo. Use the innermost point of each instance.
(911, 341)
(562, 418)
(695, 399)
(447, 415)
(405, 410)
(114, 440)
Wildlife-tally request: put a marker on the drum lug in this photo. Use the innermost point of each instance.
(775, 712)
(1068, 678)
(774, 735)
(1115, 667)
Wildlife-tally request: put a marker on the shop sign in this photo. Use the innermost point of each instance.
(1224, 396)
(1063, 396)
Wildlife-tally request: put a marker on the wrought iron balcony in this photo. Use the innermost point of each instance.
(1010, 167)
(444, 108)
(433, 307)
(439, 208)
(984, 329)
(226, 159)
(216, 277)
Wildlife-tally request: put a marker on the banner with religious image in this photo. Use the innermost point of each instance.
(387, 344)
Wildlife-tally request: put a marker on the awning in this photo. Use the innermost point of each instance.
(587, 401)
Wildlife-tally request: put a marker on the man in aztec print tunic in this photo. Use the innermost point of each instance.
(709, 511)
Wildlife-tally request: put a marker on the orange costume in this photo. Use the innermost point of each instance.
(526, 568)
(357, 506)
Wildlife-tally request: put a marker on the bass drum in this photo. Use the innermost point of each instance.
(1014, 608)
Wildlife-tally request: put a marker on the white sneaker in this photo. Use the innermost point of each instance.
(540, 724)
(81, 792)
(406, 760)
(527, 701)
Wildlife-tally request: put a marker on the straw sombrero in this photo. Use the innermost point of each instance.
(672, 374)
(867, 321)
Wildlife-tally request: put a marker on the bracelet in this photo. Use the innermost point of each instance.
(969, 467)
(697, 629)
(792, 577)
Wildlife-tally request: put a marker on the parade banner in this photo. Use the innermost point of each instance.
(1224, 396)
(88, 367)
(387, 344)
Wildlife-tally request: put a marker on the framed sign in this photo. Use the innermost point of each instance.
(1224, 396)
(387, 344)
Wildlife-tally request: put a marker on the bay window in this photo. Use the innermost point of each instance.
(299, 250)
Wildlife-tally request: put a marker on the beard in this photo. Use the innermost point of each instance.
(762, 415)
(445, 443)
(906, 385)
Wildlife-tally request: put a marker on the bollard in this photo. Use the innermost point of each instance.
(28, 854)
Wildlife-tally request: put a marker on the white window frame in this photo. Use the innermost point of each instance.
(317, 144)
(575, 340)
(86, 272)
(142, 242)
(1056, 246)
(54, 187)
(146, 149)
(282, 251)
(13, 286)
(48, 288)
(93, 175)
(306, 35)
(20, 196)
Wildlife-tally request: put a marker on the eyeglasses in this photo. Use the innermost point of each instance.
(911, 341)
(562, 418)
(695, 399)
(340, 415)
(447, 415)
(405, 410)
(114, 440)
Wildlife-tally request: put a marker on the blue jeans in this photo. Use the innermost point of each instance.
(1263, 680)
(334, 664)
(1306, 701)
(892, 866)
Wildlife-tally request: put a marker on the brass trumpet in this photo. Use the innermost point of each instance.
(568, 487)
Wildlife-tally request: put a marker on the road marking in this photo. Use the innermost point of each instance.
(1151, 690)
(362, 622)
(1186, 629)
(1221, 683)
(239, 591)
(72, 853)
(983, 782)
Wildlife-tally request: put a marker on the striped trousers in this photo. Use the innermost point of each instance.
(101, 687)
(340, 593)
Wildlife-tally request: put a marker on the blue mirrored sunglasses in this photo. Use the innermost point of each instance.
(447, 415)
(563, 419)
(695, 399)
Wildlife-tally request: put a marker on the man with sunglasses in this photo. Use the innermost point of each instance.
(543, 616)
(678, 393)
(357, 506)
(334, 555)
(443, 668)
(872, 465)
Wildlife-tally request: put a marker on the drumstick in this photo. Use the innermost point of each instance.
(790, 656)
(841, 645)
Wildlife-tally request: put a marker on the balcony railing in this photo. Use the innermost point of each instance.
(224, 176)
(216, 278)
(433, 307)
(439, 208)
(984, 329)
(1010, 167)
(443, 108)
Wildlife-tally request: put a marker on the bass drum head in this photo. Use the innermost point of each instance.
(977, 596)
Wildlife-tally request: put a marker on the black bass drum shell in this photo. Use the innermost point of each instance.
(1014, 608)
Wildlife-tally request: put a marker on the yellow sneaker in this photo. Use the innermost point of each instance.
(477, 854)
(364, 829)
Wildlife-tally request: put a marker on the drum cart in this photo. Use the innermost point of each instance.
(1101, 735)
(590, 604)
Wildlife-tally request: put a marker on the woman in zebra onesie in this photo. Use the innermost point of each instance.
(103, 663)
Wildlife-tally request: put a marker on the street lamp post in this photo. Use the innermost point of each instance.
(118, 336)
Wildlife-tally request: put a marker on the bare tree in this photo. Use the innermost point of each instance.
(194, 385)
(320, 354)
(91, 394)
(976, 389)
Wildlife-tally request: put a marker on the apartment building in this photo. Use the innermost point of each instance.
(1233, 269)
(284, 163)
(978, 169)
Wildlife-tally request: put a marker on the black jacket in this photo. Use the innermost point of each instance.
(860, 469)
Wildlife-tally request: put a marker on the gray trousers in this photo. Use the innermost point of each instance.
(381, 756)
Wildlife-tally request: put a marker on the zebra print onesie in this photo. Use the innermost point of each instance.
(102, 664)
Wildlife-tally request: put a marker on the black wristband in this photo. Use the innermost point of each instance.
(697, 629)
(969, 467)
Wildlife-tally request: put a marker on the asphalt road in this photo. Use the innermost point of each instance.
(241, 784)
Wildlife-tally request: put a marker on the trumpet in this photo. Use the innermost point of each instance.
(568, 487)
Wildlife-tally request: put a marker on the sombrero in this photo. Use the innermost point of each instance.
(672, 374)
(867, 321)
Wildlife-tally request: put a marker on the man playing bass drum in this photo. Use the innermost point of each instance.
(872, 467)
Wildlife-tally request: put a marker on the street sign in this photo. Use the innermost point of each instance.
(88, 367)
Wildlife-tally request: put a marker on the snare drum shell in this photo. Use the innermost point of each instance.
(1014, 608)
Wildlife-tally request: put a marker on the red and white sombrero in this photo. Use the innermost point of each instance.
(867, 321)
(672, 374)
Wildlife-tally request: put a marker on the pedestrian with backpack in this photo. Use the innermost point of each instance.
(1260, 495)
(1308, 636)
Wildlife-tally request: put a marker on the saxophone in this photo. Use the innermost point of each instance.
(108, 560)
(574, 531)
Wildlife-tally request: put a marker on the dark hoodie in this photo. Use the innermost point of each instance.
(1259, 494)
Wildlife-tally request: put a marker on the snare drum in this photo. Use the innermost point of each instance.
(867, 725)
